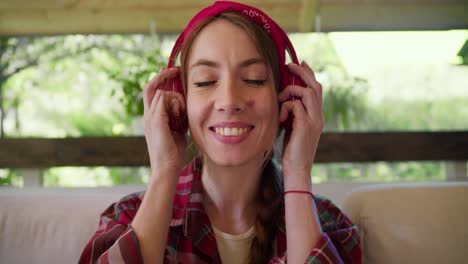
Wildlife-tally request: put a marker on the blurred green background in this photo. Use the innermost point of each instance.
(90, 85)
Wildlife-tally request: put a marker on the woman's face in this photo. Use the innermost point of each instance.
(232, 105)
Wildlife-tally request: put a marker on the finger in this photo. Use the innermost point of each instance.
(305, 73)
(308, 76)
(306, 95)
(157, 99)
(303, 70)
(316, 85)
(155, 83)
(309, 69)
(293, 91)
(294, 107)
(150, 90)
(310, 100)
(171, 101)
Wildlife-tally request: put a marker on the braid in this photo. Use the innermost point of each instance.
(270, 207)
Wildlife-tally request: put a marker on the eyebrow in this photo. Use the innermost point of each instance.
(205, 62)
(251, 61)
(213, 64)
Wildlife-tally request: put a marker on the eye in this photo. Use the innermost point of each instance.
(255, 82)
(204, 84)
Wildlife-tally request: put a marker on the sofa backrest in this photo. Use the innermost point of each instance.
(412, 223)
(51, 225)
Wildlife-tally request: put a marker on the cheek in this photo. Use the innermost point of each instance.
(192, 110)
(197, 112)
(268, 105)
(269, 111)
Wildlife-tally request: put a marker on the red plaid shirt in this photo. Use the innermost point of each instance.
(191, 238)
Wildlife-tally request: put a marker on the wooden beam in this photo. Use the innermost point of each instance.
(307, 14)
(92, 151)
(27, 17)
(126, 4)
(333, 147)
(123, 16)
(393, 146)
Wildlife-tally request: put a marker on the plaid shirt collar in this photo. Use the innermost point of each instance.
(188, 212)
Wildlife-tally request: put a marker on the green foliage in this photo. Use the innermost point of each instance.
(345, 105)
(132, 78)
(9, 177)
(50, 73)
(129, 175)
(92, 86)
(95, 125)
(421, 115)
(463, 53)
(379, 172)
(94, 176)
(344, 96)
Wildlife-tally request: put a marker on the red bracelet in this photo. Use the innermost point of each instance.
(297, 191)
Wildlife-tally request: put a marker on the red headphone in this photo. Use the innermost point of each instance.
(279, 37)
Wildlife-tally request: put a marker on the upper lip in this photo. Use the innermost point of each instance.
(237, 124)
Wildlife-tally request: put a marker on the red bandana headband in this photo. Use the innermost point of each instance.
(257, 16)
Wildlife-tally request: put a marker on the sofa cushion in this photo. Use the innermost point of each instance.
(411, 223)
(51, 225)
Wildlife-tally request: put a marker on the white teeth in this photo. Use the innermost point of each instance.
(231, 131)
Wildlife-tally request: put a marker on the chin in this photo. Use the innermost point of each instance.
(229, 160)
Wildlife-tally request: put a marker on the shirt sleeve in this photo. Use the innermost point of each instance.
(115, 241)
(340, 241)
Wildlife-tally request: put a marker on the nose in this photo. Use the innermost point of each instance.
(230, 98)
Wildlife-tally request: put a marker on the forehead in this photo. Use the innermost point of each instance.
(221, 40)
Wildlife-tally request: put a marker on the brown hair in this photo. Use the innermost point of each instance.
(269, 196)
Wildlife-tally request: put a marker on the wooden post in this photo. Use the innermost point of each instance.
(32, 177)
(456, 171)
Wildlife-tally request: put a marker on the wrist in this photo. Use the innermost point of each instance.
(297, 182)
(166, 177)
(298, 192)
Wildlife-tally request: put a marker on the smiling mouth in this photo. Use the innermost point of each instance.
(231, 131)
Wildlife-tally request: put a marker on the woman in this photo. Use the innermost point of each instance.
(230, 204)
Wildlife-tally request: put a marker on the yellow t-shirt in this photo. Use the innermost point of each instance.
(234, 249)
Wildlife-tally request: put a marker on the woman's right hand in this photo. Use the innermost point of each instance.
(166, 148)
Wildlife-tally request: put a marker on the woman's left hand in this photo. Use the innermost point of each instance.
(300, 146)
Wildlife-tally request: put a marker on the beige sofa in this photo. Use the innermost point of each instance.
(416, 223)
(410, 223)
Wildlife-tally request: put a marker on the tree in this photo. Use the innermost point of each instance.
(132, 76)
(18, 54)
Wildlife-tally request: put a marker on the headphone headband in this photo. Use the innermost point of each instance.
(255, 15)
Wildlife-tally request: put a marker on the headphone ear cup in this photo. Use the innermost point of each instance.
(289, 78)
(177, 123)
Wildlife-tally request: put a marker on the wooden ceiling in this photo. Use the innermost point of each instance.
(26, 17)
